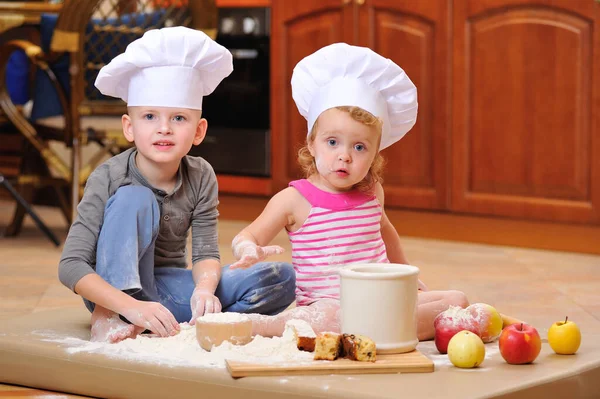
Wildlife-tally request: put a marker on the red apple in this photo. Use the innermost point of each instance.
(520, 343)
(450, 322)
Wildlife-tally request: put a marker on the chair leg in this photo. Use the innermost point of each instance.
(75, 173)
(24, 205)
(65, 207)
(14, 227)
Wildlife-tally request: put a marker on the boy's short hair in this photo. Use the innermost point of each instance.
(307, 161)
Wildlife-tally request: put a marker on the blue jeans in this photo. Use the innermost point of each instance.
(132, 217)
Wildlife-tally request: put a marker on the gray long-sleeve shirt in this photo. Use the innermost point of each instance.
(193, 203)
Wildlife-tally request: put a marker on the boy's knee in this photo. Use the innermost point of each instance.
(287, 273)
(288, 280)
(132, 198)
(130, 193)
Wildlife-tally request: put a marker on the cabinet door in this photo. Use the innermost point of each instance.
(299, 28)
(525, 104)
(415, 35)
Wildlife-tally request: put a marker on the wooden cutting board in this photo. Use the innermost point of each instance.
(412, 362)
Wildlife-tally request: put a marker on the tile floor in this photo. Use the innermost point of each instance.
(537, 286)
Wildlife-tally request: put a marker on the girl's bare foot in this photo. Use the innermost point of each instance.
(108, 327)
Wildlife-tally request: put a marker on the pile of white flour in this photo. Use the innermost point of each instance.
(183, 349)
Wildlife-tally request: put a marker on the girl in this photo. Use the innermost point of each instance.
(336, 216)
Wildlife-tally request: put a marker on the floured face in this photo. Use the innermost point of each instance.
(163, 135)
(344, 150)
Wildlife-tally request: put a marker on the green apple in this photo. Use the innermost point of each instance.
(466, 350)
(564, 337)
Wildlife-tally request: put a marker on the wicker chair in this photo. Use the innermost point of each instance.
(85, 35)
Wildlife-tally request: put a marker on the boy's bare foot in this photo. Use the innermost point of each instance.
(108, 327)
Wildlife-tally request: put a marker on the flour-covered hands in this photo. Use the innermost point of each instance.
(203, 301)
(248, 253)
(152, 316)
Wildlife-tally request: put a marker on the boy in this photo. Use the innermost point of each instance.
(126, 251)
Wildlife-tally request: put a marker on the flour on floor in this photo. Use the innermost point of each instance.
(183, 349)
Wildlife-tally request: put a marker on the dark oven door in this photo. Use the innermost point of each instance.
(238, 136)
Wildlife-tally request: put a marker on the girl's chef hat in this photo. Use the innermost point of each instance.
(344, 75)
(169, 67)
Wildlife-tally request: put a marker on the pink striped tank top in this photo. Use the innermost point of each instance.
(341, 229)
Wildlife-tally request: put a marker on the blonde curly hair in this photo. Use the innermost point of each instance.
(307, 161)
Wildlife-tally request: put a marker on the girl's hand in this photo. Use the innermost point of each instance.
(203, 301)
(152, 316)
(422, 286)
(252, 253)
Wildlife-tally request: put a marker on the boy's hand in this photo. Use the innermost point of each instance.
(252, 253)
(154, 317)
(203, 301)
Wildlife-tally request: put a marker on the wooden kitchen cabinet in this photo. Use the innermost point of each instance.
(415, 35)
(507, 98)
(526, 96)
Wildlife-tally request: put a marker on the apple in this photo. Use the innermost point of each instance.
(480, 318)
(488, 319)
(466, 350)
(520, 343)
(564, 337)
(450, 322)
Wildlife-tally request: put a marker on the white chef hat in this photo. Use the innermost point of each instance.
(344, 75)
(169, 67)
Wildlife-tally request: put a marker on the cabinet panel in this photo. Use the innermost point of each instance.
(299, 29)
(415, 35)
(524, 91)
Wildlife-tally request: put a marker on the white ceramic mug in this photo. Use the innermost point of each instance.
(379, 300)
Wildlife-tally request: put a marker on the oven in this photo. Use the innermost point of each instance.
(238, 137)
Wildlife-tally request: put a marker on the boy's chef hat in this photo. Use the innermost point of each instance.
(169, 67)
(344, 75)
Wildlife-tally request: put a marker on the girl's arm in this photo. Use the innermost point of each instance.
(389, 234)
(251, 244)
(392, 241)
(391, 238)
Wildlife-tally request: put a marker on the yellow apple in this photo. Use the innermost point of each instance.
(564, 337)
(466, 350)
